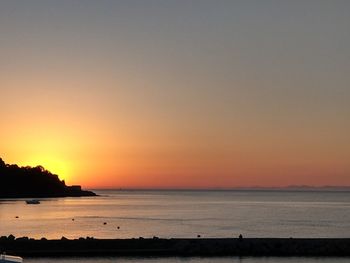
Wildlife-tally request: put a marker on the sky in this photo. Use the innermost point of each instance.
(177, 94)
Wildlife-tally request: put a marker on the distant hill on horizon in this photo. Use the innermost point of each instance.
(34, 182)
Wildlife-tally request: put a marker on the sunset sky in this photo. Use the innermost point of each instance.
(177, 94)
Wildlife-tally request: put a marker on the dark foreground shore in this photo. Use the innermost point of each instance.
(177, 247)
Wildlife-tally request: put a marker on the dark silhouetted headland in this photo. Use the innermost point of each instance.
(23, 182)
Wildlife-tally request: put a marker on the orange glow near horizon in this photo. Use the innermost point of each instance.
(135, 161)
(180, 94)
(95, 158)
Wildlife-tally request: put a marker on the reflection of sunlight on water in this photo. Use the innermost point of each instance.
(211, 214)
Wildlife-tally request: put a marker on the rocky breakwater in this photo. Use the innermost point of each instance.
(177, 247)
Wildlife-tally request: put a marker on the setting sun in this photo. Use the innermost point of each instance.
(55, 165)
(45, 147)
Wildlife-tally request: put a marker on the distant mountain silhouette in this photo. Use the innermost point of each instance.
(24, 182)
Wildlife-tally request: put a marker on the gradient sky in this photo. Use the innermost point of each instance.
(177, 94)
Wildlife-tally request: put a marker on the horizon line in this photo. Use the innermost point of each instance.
(292, 187)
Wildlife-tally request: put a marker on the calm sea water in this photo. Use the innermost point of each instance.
(182, 214)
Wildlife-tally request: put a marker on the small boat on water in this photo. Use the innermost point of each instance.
(10, 259)
(33, 202)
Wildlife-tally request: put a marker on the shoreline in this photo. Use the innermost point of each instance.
(179, 247)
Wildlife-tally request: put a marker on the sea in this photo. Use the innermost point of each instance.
(182, 213)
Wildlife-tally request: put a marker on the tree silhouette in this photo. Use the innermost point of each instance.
(36, 181)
